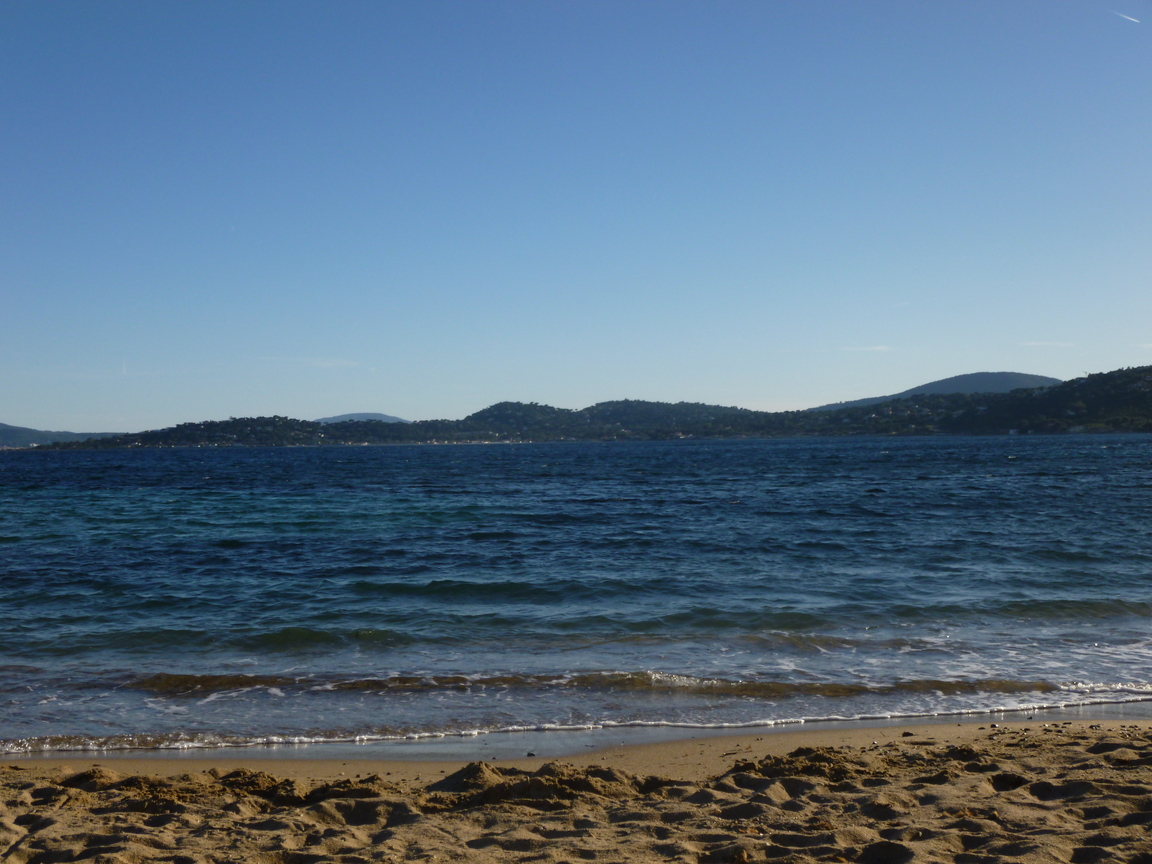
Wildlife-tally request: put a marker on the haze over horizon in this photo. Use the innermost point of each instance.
(215, 210)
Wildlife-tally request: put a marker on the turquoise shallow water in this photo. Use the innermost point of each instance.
(201, 597)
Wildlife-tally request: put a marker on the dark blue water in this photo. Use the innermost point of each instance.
(202, 596)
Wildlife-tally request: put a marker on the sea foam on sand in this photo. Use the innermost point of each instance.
(1071, 792)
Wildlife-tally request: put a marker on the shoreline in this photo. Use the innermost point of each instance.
(629, 745)
(695, 758)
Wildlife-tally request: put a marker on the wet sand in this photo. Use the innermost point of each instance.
(976, 793)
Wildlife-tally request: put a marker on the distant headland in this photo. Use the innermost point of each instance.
(1119, 401)
(21, 436)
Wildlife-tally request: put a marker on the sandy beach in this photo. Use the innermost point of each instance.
(1070, 792)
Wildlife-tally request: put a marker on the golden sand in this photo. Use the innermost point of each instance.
(1073, 793)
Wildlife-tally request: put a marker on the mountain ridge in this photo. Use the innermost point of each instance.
(970, 382)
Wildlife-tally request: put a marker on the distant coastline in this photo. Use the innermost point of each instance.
(1119, 401)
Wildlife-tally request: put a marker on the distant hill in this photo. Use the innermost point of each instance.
(383, 418)
(1119, 401)
(973, 382)
(20, 436)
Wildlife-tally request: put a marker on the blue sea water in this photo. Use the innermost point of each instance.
(204, 597)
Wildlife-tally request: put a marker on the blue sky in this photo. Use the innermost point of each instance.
(303, 208)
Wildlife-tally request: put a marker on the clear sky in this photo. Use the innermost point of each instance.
(214, 209)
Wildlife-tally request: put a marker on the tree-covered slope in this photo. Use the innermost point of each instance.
(1119, 401)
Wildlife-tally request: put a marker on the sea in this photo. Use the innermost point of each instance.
(534, 597)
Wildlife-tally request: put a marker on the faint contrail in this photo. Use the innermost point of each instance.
(1126, 17)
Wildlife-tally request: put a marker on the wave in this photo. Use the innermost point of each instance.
(541, 592)
(306, 638)
(610, 681)
(1077, 609)
(484, 615)
(1068, 609)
